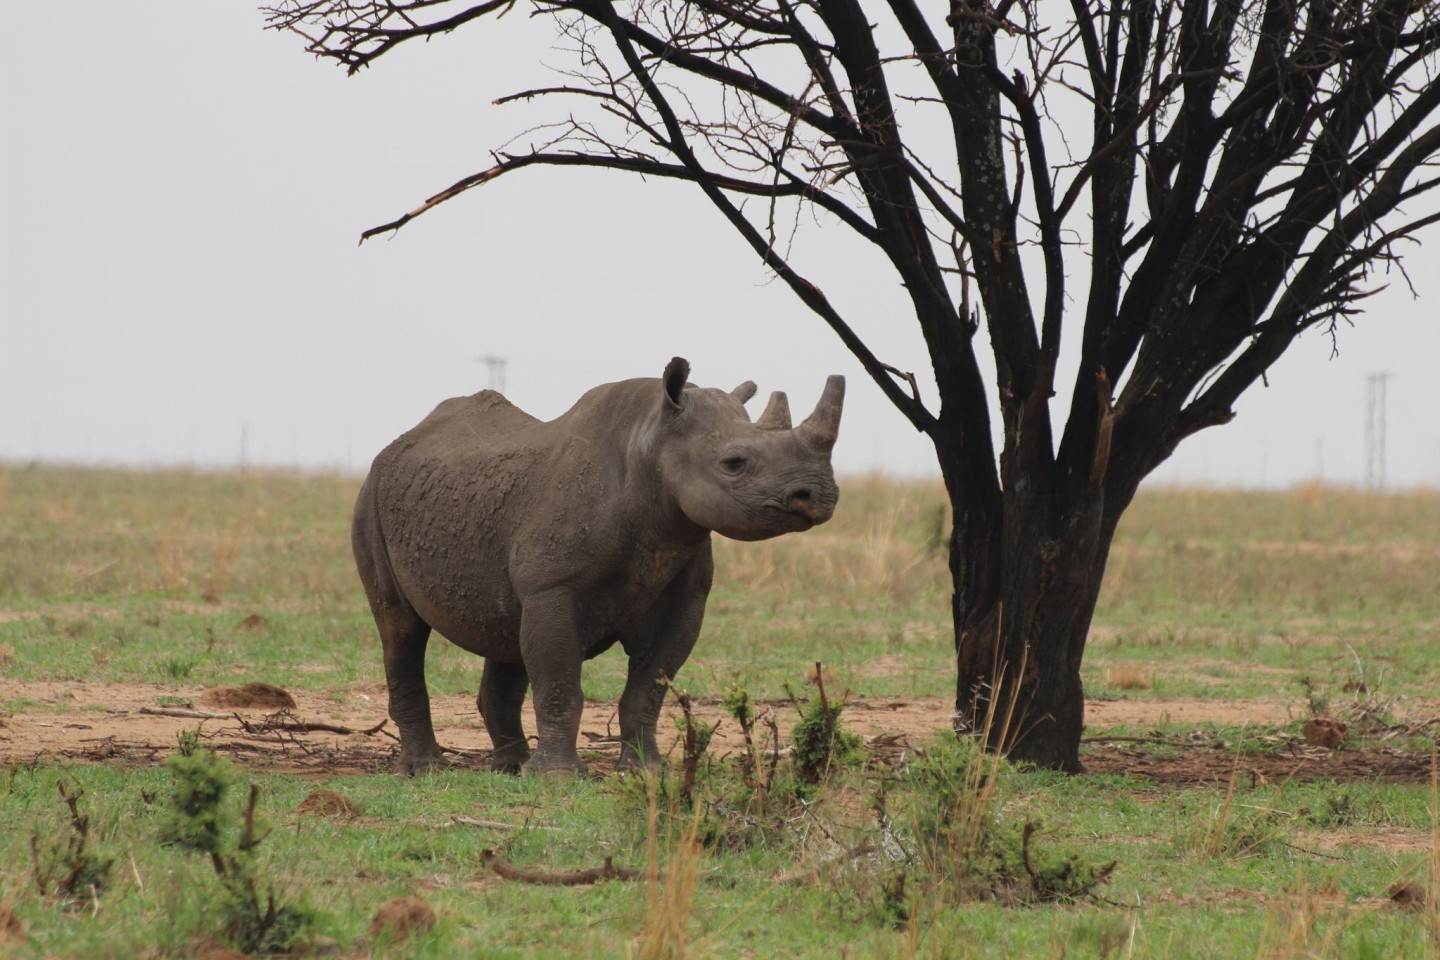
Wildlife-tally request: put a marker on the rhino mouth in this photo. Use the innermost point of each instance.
(801, 512)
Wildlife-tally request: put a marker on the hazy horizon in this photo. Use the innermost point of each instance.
(180, 280)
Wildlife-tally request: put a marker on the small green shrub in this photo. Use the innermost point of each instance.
(1053, 875)
(964, 848)
(953, 785)
(200, 821)
(821, 743)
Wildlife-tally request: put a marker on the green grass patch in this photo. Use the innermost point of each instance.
(1316, 600)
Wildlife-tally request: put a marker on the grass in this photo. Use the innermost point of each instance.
(200, 579)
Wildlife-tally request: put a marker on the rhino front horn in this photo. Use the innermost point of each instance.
(823, 425)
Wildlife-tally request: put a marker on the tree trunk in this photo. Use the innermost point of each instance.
(1019, 655)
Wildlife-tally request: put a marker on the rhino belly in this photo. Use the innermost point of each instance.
(481, 615)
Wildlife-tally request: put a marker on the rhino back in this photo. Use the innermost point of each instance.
(482, 504)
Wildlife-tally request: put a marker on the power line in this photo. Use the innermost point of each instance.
(1375, 429)
(494, 371)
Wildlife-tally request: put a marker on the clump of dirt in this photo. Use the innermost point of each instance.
(1407, 896)
(12, 928)
(253, 622)
(402, 918)
(1324, 732)
(252, 696)
(328, 803)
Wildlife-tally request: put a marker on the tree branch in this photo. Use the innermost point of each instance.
(809, 294)
(361, 24)
(640, 165)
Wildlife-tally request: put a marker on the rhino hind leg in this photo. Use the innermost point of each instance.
(405, 639)
(403, 635)
(502, 695)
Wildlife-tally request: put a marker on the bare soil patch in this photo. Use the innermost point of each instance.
(83, 722)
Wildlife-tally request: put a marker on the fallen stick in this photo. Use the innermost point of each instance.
(303, 726)
(559, 878)
(186, 714)
(460, 819)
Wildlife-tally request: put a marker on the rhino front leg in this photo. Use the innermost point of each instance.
(502, 694)
(668, 636)
(551, 648)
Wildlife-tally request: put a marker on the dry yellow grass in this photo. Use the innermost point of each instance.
(1129, 676)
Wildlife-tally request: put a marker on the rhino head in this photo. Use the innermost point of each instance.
(744, 480)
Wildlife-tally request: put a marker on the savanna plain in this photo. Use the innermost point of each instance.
(195, 759)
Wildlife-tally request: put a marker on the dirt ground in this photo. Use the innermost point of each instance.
(324, 736)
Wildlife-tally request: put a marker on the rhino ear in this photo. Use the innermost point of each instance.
(777, 413)
(744, 392)
(677, 371)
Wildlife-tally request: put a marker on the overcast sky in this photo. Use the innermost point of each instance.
(180, 280)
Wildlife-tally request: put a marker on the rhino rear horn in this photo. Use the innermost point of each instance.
(777, 413)
(823, 425)
(744, 392)
(677, 371)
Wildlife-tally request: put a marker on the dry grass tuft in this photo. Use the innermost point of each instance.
(669, 897)
(1432, 902)
(1307, 923)
(885, 547)
(1128, 676)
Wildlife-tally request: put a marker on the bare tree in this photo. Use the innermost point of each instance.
(1188, 185)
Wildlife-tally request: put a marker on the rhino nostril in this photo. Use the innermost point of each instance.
(801, 494)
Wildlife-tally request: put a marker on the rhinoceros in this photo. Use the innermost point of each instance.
(538, 545)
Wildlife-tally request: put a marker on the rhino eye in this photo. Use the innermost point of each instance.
(733, 464)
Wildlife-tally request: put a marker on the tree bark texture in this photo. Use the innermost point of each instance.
(1019, 656)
